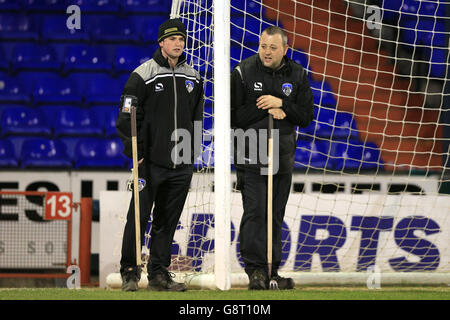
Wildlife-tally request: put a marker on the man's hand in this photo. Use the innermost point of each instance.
(268, 102)
(140, 161)
(277, 113)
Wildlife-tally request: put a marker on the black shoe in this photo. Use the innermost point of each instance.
(257, 281)
(130, 279)
(162, 281)
(284, 283)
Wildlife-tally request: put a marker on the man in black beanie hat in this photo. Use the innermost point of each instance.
(169, 95)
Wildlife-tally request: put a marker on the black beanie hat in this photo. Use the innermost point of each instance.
(171, 27)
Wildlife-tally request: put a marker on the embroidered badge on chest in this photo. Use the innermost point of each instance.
(189, 85)
(287, 89)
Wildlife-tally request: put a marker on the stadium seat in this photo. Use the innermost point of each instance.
(355, 155)
(146, 6)
(114, 29)
(73, 121)
(331, 124)
(98, 88)
(12, 90)
(46, 5)
(29, 56)
(424, 31)
(7, 155)
(323, 94)
(5, 62)
(17, 27)
(85, 58)
(54, 29)
(23, 121)
(55, 89)
(98, 6)
(438, 64)
(40, 153)
(10, 5)
(148, 28)
(391, 9)
(239, 7)
(106, 116)
(128, 58)
(312, 154)
(99, 153)
(239, 53)
(299, 56)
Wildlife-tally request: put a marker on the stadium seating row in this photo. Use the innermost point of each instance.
(74, 57)
(98, 6)
(76, 153)
(59, 121)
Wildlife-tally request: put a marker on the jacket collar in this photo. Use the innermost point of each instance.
(164, 62)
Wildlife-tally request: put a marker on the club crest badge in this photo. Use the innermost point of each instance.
(189, 85)
(287, 89)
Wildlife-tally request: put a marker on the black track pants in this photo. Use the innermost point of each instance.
(167, 190)
(253, 228)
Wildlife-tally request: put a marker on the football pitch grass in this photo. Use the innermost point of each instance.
(304, 293)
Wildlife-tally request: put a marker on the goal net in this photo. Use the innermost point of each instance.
(370, 191)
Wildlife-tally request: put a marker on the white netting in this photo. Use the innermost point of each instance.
(369, 183)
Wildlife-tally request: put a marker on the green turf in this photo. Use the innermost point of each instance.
(307, 293)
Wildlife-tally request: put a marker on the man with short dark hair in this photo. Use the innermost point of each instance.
(267, 84)
(169, 100)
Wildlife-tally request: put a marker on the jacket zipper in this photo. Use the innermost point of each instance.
(175, 117)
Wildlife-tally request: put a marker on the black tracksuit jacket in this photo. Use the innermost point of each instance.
(159, 111)
(250, 80)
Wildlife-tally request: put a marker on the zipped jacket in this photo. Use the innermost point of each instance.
(167, 99)
(250, 79)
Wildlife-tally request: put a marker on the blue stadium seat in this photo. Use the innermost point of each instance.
(114, 29)
(7, 155)
(146, 6)
(331, 124)
(299, 56)
(98, 6)
(73, 121)
(356, 155)
(438, 63)
(128, 58)
(29, 56)
(148, 27)
(391, 9)
(23, 121)
(12, 90)
(240, 53)
(312, 154)
(17, 27)
(46, 5)
(323, 94)
(85, 58)
(10, 5)
(106, 116)
(44, 153)
(239, 7)
(98, 88)
(5, 62)
(424, 31)
(99, 153)
(55, 89)
(55, 29)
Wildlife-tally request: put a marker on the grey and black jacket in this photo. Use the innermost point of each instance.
(250, 79)
(168, 99)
